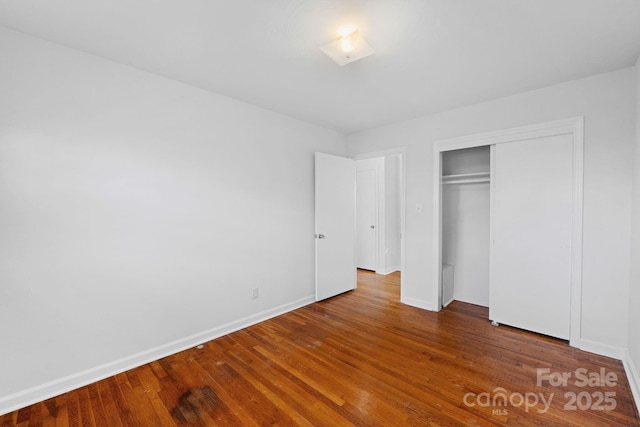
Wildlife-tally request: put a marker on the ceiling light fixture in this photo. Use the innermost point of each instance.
(349, 47)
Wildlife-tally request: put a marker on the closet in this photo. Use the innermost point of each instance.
(465, 226)
(509, 225)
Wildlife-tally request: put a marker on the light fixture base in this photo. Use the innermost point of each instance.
(348, 48)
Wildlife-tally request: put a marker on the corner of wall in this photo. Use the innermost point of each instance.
(633, 377)
(419, 303)
(631, 358)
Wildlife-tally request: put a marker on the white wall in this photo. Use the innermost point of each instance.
(634, 292)
(607, 103)
(136, 211)
(465, 240)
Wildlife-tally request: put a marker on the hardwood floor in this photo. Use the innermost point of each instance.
(360, 358)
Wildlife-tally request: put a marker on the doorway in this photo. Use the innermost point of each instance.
(335, 203)
(380, 212)
(369, 206)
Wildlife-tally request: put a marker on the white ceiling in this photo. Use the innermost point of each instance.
(432, 55)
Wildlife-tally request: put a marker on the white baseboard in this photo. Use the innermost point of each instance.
(612, 351)
(414, 302)
(632, 377)
(62, 385)
(621, 354)
(391, 270)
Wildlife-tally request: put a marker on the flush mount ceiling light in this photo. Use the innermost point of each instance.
(349, 47)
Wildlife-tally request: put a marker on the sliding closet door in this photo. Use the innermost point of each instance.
(532, 193)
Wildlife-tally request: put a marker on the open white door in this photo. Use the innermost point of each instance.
(335, 195)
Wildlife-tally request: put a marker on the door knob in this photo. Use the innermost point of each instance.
(373, 226)
(320, 236)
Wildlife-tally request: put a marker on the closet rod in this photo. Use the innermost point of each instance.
(467, 181)
(466, 178)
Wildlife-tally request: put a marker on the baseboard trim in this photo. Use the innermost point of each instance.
(414, 302)
(612, 351)
(62, 385)
(632, 377)
(391, 270)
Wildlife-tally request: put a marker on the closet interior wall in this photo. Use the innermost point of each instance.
(465, 225)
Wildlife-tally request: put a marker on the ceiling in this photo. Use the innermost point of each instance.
(432, 55)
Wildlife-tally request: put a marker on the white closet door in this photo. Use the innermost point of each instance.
(532, 188)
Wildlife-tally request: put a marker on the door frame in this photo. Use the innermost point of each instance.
(403, 185)
(573, 126)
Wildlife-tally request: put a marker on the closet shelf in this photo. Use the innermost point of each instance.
(466, 178)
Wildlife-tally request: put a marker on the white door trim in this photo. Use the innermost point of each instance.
(573, 126)
(403, 154)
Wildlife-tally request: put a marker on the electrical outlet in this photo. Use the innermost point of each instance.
(254, 293)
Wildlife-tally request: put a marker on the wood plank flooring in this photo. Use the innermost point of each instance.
(360, 358)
